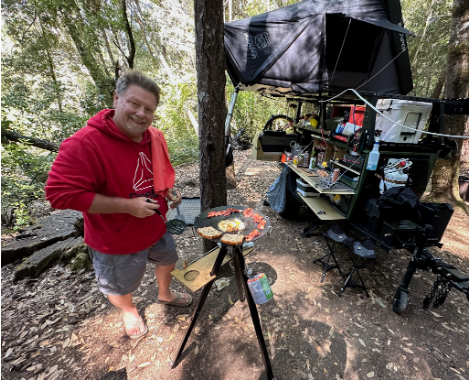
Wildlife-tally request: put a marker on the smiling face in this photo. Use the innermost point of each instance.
(134, 109)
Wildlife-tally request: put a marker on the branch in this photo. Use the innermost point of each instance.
(43, 144)
(130, 59)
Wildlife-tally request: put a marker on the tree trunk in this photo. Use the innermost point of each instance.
(104, 83)
(210, 67)
(445, 178)
(423, 35)
(439, 85)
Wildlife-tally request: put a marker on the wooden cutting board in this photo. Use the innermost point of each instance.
(197, 274)
(307, 173)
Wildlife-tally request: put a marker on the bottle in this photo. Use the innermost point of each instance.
(313, 162)
(373, 159)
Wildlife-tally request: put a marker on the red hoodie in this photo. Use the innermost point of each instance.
(100, 159)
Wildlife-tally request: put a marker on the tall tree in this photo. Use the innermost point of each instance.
(446, 173)
(210, 68)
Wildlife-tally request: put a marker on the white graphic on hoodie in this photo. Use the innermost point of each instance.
(143, 177)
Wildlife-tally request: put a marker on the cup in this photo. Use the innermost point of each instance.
(336, 173)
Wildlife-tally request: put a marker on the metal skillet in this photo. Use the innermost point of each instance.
(203, 221)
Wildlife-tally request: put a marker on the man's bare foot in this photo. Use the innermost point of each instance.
(132, 322)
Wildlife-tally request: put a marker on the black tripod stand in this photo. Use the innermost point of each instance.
(241, 277)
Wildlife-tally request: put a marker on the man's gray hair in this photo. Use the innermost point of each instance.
(136, 78)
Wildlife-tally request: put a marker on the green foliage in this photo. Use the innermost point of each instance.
(430, 21)
(24, 172)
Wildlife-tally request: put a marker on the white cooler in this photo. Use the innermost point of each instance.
(411, 114)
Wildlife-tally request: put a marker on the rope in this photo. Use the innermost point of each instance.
(383, 68)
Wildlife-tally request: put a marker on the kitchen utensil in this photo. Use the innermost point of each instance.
(174, 226)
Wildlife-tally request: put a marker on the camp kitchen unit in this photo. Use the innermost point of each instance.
(341, 69)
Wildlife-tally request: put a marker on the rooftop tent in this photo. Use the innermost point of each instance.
(320, 46)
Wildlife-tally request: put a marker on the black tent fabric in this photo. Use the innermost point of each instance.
(319, 45)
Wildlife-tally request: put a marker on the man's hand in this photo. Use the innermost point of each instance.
(142, 207)
(175, 199)
(138, 207)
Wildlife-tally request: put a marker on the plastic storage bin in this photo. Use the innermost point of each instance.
(305, 189)
(411, 114)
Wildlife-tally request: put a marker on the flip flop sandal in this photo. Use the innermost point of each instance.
(141, 325)
(178, 301)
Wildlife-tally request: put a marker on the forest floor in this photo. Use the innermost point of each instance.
(60, 327)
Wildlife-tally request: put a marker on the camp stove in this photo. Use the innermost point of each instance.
(395, 173)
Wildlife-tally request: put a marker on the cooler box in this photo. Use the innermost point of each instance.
(411, 114)
(305, 189)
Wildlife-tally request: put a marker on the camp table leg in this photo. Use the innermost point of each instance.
(196, 312)
(254, 315)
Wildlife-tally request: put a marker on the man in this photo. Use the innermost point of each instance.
(116, 170)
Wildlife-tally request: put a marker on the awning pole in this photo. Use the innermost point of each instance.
(230, 112)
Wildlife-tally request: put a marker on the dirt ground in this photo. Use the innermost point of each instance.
(60, 327)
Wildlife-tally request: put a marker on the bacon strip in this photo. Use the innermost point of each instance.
(247, 212)
(252, 235)
(257, 218)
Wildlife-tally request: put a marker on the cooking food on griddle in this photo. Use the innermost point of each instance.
(226, 212)
(257, 218)
(235, 210)
(261, 225)
(252, 235)
(231, 225)
(247, 212)
(232, 239)
(209, 232)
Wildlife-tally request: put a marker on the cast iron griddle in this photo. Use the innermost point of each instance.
(203, 221)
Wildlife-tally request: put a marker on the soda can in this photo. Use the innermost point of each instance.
(296, 160)
(260, 289)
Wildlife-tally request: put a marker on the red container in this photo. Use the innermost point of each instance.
(355, 118)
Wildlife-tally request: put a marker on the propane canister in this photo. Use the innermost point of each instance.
(260, 289)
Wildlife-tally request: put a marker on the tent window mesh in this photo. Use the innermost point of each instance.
(359, 50)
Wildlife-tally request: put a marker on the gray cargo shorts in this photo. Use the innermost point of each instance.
(122, 274)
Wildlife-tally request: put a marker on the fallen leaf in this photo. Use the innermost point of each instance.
(197, 330)
(389, 366)
(370, 374)
(332, 331)
(143, 364)
(452, 369)
(447, 327)
(107, 359)
(131, 357)
(182, 317)
(176, 328)
(395, 368)
(362, 342)
(230, 300)
(408, 350)
(196, 350)
(435, 314)
(66, 343)
(8, 353)
(171, 337)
